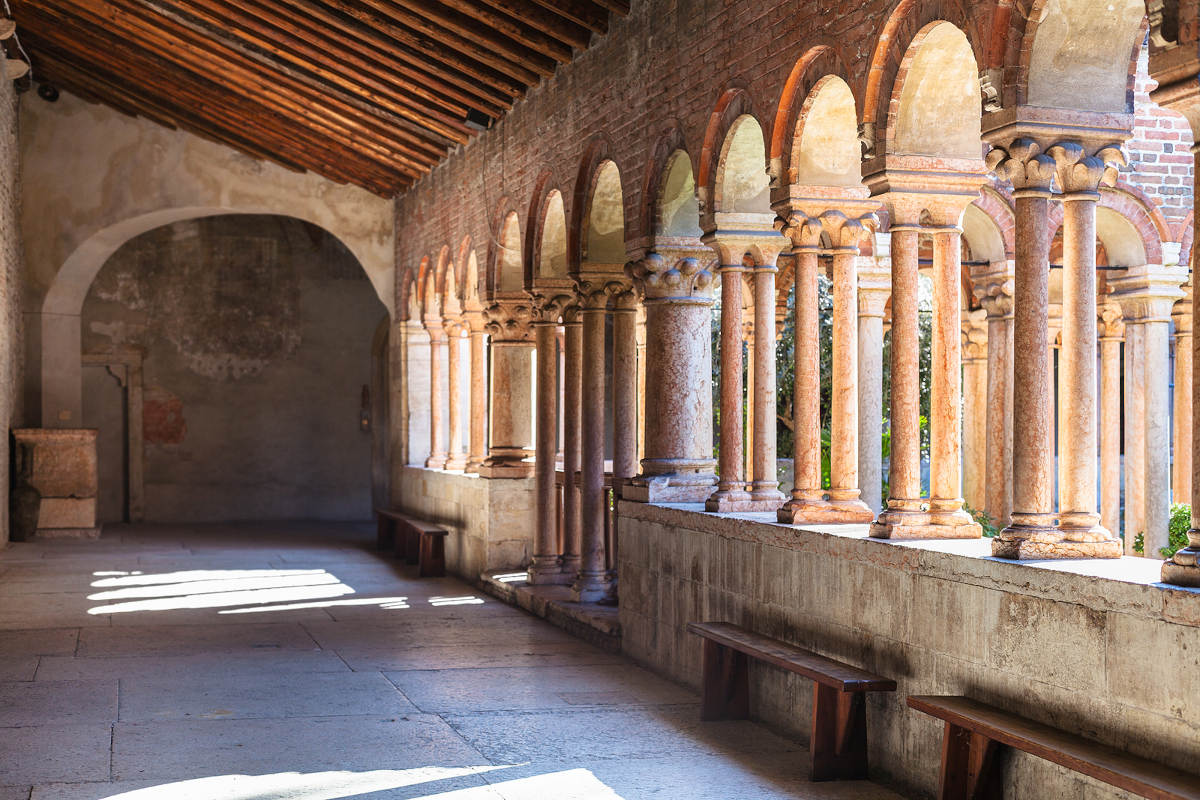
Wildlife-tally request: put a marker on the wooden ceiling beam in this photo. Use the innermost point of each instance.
(203, 57)
(477, 23)
(543, 19)
(582, 12)
(355, 86)
(97, 49)
(435, 49)
(393, 56)
(615, 6)
(515, 29)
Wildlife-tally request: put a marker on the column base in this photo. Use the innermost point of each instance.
(503, 468)
(671, 487)
(903, 523)
(547, 570)
(1183, 569)
(1022, 543)
(473, 465)
(435, 462)
(826, 512)
(592, 587)
(730, 501)
(456, 464)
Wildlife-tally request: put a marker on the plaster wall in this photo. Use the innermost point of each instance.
(1071, 645)
(97, 178)
(491, 520)
(256, 335)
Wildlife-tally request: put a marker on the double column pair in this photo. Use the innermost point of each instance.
(1034, 531)
(445, 344)
(583, 560)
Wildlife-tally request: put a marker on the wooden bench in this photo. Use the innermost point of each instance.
(414, 540)
(839, 720)
(974, 732)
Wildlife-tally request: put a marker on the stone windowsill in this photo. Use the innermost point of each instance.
(1128, 584)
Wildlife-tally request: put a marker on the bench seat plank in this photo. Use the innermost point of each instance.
(417, 524)
(1095, 760)
(825, 671)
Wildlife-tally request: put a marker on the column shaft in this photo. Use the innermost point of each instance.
(806, 401)
(437, 436)
(731, 491)
(572, 430)
(945, 395)
(545, 567)
(1135, 442)
(870, 406)
(457, 458)
(624, 384)
(998, 488)
(1181, 449)
(1110, 432)
(592, 583)
(904, 474)
(843, 457)
(477, 447)
(765, 486)
(1157, 458)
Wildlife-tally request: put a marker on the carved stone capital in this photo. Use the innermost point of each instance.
(595, 291)
(510, 321)
(662, 279)
(1181, 313)
(874, 287)
(549, 305)
(974, 335)
(1078, 172)
(1022, 163)
(1148, 293)
(994, 288)
(735, 234)
(1110, 324)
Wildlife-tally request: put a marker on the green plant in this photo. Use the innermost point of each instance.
(985, 521)
(1177, 528)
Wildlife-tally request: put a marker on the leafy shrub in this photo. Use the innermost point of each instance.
(1177, 528)
(985, 521)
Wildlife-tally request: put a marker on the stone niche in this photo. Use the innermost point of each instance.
(54, 483)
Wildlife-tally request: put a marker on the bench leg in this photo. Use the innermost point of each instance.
(412, 546)
(726, 683)
(383, 533)
(838, 744)
(399, 536)
(969, 766)
(432, 557)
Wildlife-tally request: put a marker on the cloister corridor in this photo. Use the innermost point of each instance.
(291, 661)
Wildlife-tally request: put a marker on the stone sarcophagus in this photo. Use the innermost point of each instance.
(54, 483)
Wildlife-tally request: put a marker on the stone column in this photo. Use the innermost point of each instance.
(572, 431)
(874, 289)
(678, 465)
(975, 407)
(765, 486)
(731, 494)
(1147, 295)
(996, 296)
(437, 435)
(1078, 512)
(545, 566)
(624, 384)
(1112, 334)
(456, 459)
(1181, 449)
(748, 430)
(903, 517)
(511, 411)
(477, 444)
(592, 583)
(641, 382)
(1031, 532)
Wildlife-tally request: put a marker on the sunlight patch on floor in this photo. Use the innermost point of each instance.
(197, 589)
(383, 602)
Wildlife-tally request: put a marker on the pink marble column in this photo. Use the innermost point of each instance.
(808, 497)
(1032, 521)
(437, 436)
(844, 496)
(765, 486)
(456, 460)
(477, 440)
(1181, 450)
(572, 431)
(1183, 568)
(874, 289)
(731, 494)
(624, 383)
(1079, 518)
(997, 301)
(903, 516)
(678, 463)
(545, 566)
(1134, 438)
(1111, 337)
(592, 583)
(748, 430)
(511, 403)
(975, 407)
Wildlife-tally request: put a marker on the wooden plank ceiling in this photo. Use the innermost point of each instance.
(368, 92)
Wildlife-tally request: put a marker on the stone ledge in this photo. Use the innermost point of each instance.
(593, 623)
(1129, 585)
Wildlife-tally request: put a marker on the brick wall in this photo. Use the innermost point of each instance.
(660, 72)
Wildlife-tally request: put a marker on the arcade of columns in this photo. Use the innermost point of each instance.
(1001, 447)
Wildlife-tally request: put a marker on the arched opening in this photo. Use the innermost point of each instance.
(742, 184)
(825, 151)
(939, 104)
(604, 233)
(510, 276)
(210, 323)
(677, 206)
(1080, 56)
(552, 247)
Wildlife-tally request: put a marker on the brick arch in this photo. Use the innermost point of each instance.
(892, 55)
(504, 209)
(426, 280)
(810, 70)
(547, 184)
(408, 283)
(671, 141)
(1132, 204)
(734, 103)
(1000, 211)
(1183, 234)
(595, 156)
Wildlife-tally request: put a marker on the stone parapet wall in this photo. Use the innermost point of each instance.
(490, 519)
(1096, 647)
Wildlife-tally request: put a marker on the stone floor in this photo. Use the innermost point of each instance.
(246, 662)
